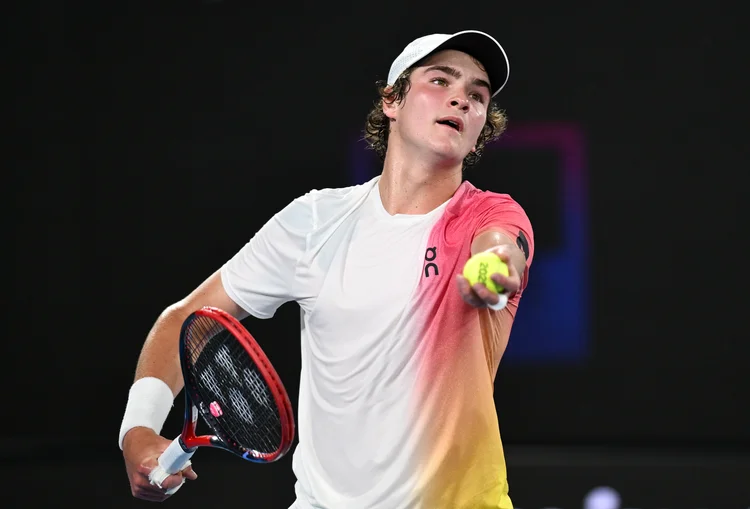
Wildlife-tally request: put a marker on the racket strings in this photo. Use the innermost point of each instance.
(234, 396)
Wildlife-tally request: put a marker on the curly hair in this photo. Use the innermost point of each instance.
(377, 125)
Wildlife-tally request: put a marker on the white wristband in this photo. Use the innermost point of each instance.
(149, 402)
(501, 303)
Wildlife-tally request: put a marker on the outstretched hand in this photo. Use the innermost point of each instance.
(480, 296)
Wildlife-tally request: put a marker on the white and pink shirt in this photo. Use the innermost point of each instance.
(396, 407)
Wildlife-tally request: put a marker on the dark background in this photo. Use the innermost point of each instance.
(148, 143)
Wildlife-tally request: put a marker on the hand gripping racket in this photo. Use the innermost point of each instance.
(230, 382)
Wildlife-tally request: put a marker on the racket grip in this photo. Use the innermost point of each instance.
(174, 459)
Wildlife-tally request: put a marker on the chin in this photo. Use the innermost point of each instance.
(449, 155)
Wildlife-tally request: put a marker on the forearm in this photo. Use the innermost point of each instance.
(159, 356)
(158, 377)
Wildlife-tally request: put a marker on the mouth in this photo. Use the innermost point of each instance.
(452, 122)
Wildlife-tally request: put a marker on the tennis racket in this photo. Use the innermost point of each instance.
(230, 382)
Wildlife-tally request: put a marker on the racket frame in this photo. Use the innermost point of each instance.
(189, 440)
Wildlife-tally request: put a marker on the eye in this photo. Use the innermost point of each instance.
(439, 81)
(478, 97)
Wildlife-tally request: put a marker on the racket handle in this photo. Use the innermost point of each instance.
(174, 459)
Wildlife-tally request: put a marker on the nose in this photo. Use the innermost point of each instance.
(460, 102)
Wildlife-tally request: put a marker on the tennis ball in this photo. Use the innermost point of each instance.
(481, 266)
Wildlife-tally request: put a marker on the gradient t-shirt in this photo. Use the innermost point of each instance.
(396, 406)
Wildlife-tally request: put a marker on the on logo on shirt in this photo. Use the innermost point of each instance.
(429, 257)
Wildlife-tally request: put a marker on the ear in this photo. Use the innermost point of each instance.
(474, 148)
(390, 108)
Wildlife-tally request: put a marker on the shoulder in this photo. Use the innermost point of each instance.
(319, 206)
(472, 201)
(334, 194)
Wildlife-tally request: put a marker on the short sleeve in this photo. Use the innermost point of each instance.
(502, 213)
(261, 276)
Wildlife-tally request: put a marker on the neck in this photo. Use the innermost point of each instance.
(416, 185)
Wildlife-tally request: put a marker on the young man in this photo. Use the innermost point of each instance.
(399, 352)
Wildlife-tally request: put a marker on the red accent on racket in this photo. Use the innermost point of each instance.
(230, 382)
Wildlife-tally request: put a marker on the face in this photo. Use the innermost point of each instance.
(445, 108)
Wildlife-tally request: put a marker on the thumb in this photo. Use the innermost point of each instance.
(173, 481)
(189, 473)
(147, 466)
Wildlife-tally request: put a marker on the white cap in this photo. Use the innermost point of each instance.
(479, 45)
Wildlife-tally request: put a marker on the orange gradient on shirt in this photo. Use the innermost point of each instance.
(462, 463)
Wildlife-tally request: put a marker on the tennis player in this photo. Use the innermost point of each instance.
(399, 352)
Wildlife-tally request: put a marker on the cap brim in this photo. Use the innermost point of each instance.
(487, 50)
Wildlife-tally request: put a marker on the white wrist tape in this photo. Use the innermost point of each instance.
(502, 302)
(149, 402)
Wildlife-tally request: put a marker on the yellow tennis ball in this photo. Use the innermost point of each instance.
(481, 266)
